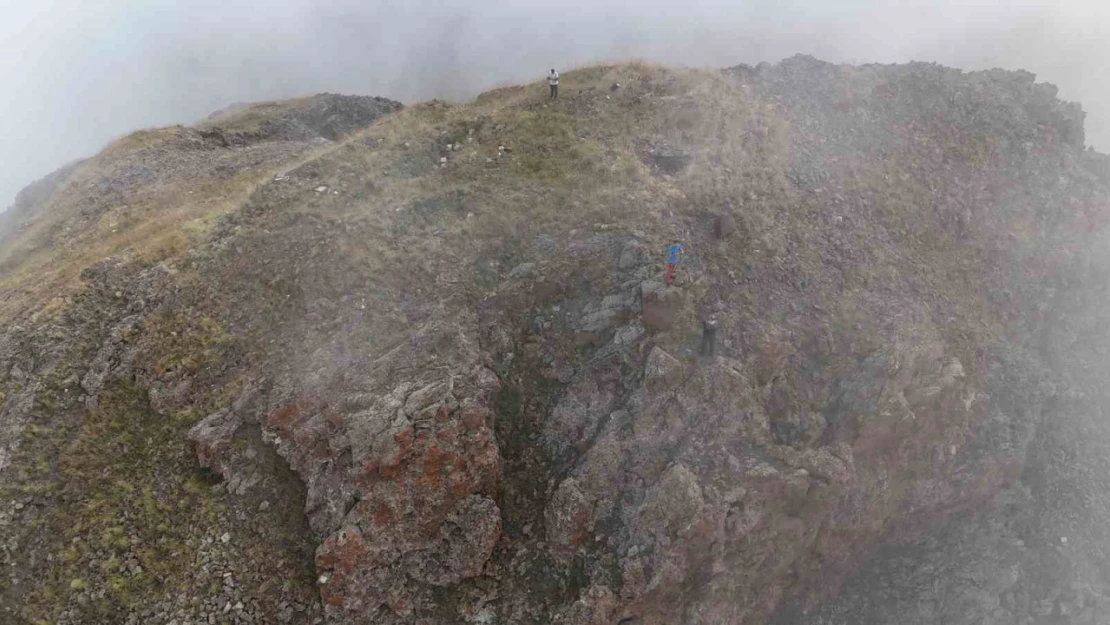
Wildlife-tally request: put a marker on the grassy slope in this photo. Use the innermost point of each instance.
(148, 197)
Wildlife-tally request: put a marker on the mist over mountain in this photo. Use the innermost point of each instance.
(75, 75)
(333, 312)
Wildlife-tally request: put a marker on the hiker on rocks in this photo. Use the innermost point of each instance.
(553, 82)
(673, 252)
(709, 336)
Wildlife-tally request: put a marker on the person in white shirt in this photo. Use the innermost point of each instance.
(553, 82)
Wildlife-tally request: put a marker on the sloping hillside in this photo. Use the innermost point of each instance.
(333, 360)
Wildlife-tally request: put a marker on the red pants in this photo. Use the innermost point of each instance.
(667, 277)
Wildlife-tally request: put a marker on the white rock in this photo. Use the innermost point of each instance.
(226, 538)
(321, 189)
(443, 160)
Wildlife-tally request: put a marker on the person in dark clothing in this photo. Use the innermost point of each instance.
(709, 337)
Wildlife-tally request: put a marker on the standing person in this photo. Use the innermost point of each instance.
(709, 336)
(673, 252)
(553, 82)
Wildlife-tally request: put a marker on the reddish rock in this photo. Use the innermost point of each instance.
(424, 516)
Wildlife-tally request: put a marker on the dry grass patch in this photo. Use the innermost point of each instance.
(158, 222)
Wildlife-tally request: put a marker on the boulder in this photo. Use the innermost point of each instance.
(723, 226)
(661, 305)
(523, 271)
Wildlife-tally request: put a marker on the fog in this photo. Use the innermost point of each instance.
(75, 74)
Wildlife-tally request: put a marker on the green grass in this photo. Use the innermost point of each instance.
(185, 342)
(126, 475)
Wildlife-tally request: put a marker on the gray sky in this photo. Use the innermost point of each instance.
(74, 74)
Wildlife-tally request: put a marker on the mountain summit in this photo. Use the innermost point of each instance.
(333, 360)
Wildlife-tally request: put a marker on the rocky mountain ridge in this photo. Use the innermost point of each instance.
(430, 372)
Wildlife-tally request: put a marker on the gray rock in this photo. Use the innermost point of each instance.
(523, 271)
(628, 334)
(631, 256)
(668, 158)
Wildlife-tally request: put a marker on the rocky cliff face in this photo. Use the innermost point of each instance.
(430, 373)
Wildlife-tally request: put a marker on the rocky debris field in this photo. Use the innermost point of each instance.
(420, 366)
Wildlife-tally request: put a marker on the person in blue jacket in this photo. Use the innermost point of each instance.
(673, 252)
